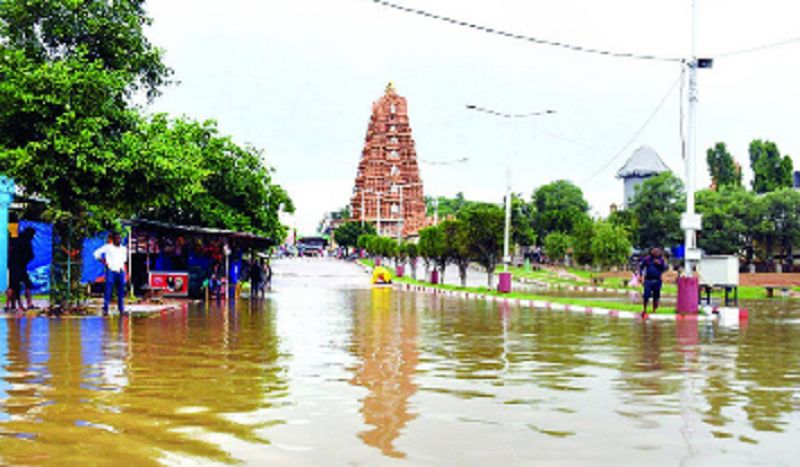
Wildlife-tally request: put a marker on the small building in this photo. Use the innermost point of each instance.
(643, 164)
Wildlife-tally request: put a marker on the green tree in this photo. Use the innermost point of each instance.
(237, 193)
(626, 219)
(782, 216)
(349, 234)
(110, 34)
(437, 247)
(412, 252)
(658, 204)
(722, 168)
(582, 238)
(446, 207)
(559, 207)
(522, 218)
(484, 223)
(457, 246)
(770, 171)
(610, 245)
(68, 71)
(556, 246)
(732, 218)
(431, 244)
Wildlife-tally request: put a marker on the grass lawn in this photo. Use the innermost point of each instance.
(745, 292)
(614, 305)
(551, 277)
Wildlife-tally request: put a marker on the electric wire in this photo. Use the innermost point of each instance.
(639, 131)
(522, 37)
(758, 48)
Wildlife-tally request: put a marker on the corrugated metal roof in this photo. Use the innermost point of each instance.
(644, 161)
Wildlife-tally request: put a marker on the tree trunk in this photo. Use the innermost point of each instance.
(462, 271)
(413, 263)
(490, 277)
(441, 273)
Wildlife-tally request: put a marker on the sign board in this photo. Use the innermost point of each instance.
(174, 284)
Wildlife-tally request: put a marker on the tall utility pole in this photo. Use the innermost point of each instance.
(691, 222)
(507, 231)
(507, 228)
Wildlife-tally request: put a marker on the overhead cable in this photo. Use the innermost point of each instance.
(522, 37)
(758, 48)
(638, 132)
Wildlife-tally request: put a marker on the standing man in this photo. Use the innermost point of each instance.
(21, 255)
(256, 279)
(651, 269)
(113, 256)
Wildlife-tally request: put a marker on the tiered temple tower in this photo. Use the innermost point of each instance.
(388, 189)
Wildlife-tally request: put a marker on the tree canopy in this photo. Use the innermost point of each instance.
(658, 204)
(347, 234)
(770, 171)
(610, 246)
(484, 224)
(722, 168)
(559, 206)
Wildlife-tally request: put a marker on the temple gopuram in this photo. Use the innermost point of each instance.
(388, 189)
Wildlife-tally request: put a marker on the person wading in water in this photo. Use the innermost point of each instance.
(651, 269)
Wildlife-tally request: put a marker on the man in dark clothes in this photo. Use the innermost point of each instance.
(256, 279)
(21, 255)
(651, 269)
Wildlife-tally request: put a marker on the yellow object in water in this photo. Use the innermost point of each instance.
(381, 275)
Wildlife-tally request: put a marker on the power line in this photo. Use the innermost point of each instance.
(759, 48)
(522, 37)
(639, 131)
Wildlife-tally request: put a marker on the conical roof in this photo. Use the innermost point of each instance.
(644, 162)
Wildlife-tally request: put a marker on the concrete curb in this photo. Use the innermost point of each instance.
(725, 316)
(574, 288)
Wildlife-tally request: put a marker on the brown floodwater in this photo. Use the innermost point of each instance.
(328, 372)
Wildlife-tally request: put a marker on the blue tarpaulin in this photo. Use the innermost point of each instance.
(39, 267)
(91, 268)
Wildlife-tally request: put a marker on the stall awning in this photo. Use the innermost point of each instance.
(243, 240)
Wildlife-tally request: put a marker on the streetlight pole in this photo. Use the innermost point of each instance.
(507, 232)
(505, 282)
(363, 210)
(691, 222)
(378, 220)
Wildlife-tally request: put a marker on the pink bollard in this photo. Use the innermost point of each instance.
(688, 294)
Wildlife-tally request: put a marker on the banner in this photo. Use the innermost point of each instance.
(174, 284)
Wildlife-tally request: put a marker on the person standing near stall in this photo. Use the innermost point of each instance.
(20, 255)
(113, 256)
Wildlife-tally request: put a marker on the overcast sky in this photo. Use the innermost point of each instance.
(297, 78)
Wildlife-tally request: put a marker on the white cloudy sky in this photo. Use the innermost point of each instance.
(297, 78)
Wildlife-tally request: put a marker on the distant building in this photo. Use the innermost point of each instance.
(643, 164)
(388, 189)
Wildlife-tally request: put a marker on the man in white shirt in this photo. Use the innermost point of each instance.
(113, 256)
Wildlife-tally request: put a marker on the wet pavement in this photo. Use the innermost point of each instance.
(328, 371)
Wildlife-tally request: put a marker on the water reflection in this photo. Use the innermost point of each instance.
(137, 390)
(385, 344)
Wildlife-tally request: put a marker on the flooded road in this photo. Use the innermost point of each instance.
(328, 372)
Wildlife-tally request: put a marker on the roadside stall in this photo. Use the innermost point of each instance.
(178, 260)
